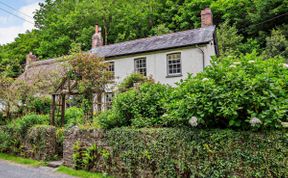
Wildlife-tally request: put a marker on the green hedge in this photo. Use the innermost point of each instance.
(171, 152)
(244, 92)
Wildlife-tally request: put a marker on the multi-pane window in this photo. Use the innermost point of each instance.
(140, 66)
(111, 67)
(174, 64)
(108, 99)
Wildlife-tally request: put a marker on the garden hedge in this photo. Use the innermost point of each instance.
(183, 152)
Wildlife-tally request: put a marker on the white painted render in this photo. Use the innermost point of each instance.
(156, 62)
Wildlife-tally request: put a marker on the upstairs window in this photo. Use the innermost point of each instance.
(174, 64)
(140, 66)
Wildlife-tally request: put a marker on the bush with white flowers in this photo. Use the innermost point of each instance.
(238, 92)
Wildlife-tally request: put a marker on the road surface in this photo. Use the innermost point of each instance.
(12, 170)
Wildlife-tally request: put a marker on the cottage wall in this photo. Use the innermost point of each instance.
(156, 62)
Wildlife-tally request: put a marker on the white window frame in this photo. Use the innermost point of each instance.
(169, 69)
(138, 69)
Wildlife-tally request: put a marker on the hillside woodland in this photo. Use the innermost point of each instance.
(243, 26)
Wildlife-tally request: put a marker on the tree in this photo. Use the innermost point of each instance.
(277, 43)
(92, 76)
(228, 39)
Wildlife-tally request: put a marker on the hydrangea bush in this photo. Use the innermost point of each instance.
(238, 92)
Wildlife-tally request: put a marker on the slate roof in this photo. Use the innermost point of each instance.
(173, 40)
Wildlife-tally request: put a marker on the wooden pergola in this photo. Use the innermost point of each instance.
(67, 87)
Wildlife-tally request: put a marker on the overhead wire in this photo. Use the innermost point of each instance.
(15, 9)
(4, 10)
(241, 29)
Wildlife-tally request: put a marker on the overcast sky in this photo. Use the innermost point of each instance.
(11, 26)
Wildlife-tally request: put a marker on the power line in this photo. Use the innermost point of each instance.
(16, 16)
(15, 9)
(241, 29)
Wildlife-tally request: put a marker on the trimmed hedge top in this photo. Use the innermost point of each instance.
(182, 152)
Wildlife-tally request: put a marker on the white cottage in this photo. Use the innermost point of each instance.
(167, 58)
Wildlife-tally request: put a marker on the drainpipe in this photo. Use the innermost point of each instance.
(203, 56)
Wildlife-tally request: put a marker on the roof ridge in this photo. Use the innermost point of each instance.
(151, 37)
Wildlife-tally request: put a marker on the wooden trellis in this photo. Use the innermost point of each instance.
(66, 88)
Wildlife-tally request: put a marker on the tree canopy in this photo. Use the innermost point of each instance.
(62, 24)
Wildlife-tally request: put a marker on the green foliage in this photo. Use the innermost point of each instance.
(139, 107)
(21, 160)
(2, 119)
(277, 43)
(91, 74)
(109, 119)
(74, 116)
(182, 152)
(80, 173)
(123, 20)
(132, 81)
(5, 140)
(39, 105)
(85, 158)
(60, 141)
(228, 39)
(232, 92)
(23, 124)
(40, 139)
(17, 131)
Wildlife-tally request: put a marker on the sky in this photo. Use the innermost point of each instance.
(10, 25)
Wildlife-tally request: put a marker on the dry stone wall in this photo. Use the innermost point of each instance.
(87, 137)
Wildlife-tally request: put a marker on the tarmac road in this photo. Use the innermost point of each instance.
(12, 170)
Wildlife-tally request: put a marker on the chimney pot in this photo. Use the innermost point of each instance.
(30, 58)
(206, 17)
(97, 39)
(97, 29)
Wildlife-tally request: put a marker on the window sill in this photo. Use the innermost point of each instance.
(172, 76)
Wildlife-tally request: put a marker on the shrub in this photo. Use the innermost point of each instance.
(73, 116)
(130, 82)
(22, 125)
(40, 142)
(2, 119)
(39, 105)
(109, 119)
(184, 152)
(59, 141)
(139, 107)
(234, 92)
(5, 140)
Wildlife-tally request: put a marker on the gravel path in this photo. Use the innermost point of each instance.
(12, 170)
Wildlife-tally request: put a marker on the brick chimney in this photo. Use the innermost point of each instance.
(206, 17)
(97, 39)
(30, 58)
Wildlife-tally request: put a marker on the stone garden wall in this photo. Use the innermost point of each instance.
(177, 152)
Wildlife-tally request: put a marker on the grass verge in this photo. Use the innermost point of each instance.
(80, 173)
(20, 160)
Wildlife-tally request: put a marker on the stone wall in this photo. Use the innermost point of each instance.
(87, 137)
(177, 152)
(40, 143)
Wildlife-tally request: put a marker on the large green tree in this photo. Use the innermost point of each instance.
(62, 24)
